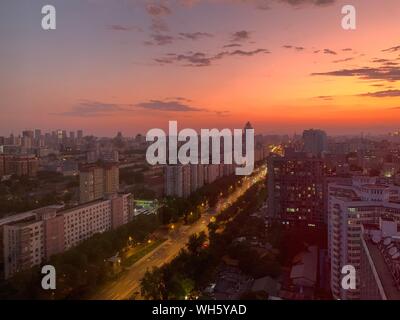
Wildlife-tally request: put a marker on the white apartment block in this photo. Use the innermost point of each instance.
(182, 180)
(364, 200)
(47, 231)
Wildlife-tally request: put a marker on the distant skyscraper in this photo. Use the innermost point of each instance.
(26, 142)
(80, 134)
(28, 133)
(59, 135)
(38, 134)
(27, 139)
(315, 142)
(247, 126)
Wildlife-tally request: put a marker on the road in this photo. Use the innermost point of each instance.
(129, 282)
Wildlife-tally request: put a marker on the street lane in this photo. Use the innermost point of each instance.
(129, 282)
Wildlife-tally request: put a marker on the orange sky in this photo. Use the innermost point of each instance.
(133, 65)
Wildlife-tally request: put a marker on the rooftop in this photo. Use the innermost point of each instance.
(386, 268)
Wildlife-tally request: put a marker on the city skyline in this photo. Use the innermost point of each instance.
(131, 66)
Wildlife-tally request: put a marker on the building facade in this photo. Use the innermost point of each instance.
(95, 181)
(296, 189)
(20, 165)
(315, 142)
(47, 231)
(364, 200)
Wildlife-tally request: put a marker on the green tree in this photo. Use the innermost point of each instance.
(196, 242)
(152, 285)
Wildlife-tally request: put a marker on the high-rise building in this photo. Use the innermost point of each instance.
(38, 134)
(26, 142)
(247, 126)
(182, 180)
(97, 180)
(211, 173)
(194, 175)
(296, 188)
(315, 142)
(177, 179)
(28, 133)
(2, 169)
(27, 139)
(364, 200)
(111, 178)
(200, 176)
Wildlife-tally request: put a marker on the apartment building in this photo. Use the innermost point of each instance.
(296, 189)
(95, 181)
(177, 180)
(47, 231)
(364, 200)
(20, 165)
(182, 180)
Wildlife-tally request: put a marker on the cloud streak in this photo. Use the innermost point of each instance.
(88, 108)
(385, 73)
(195, 35)
(118, 27)
(165, 106)
(240, 36)
(201, 59)
(382, 94)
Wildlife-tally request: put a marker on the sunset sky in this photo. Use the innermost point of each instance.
(132, 65)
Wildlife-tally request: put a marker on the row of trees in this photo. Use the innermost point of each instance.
(195, 266)
(191, 208)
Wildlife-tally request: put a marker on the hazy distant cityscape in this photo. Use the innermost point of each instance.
(314, 204)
